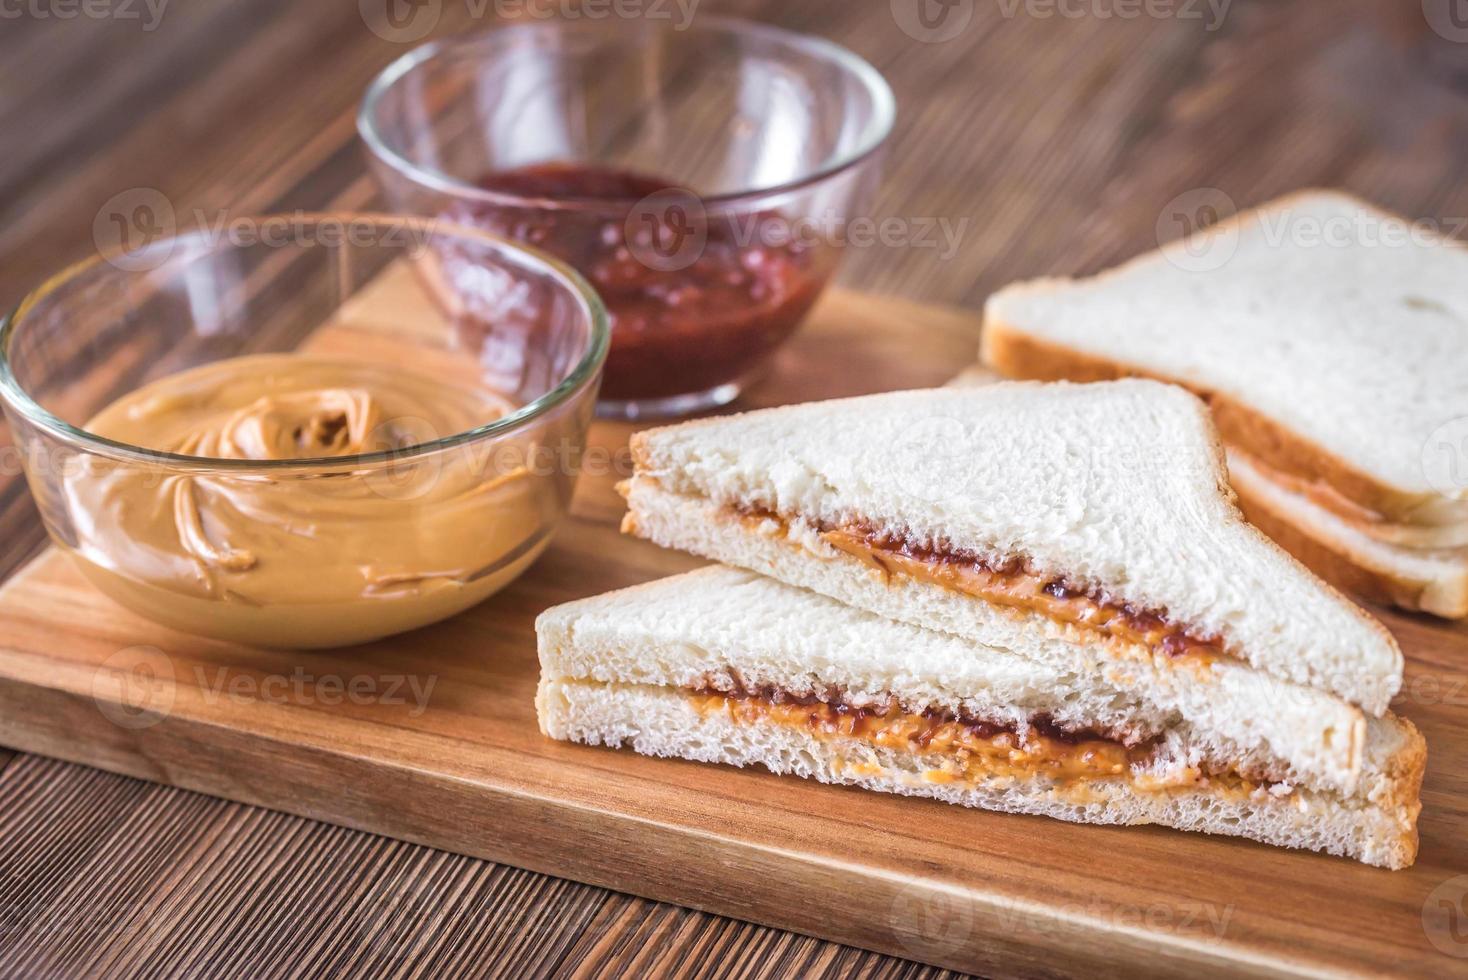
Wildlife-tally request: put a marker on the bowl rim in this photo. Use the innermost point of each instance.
(14, 395)
(884, 104)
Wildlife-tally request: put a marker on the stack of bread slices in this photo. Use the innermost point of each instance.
(1032, 597)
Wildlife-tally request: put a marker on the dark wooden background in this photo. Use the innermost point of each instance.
(1055, 143)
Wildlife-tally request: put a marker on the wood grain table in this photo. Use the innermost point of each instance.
(1035, 136)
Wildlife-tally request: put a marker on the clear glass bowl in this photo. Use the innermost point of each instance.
(329, 509)
(702, 179)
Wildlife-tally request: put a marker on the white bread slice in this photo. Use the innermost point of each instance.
(616, 669)
(1333, 334)
(1120, 486)
(1427, 579)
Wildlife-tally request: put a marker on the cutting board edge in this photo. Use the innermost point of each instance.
(1079, 945)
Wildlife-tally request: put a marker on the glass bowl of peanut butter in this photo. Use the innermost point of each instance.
(303, 430)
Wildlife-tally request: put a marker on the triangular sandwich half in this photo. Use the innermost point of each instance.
(721, 665)
(1087, 527)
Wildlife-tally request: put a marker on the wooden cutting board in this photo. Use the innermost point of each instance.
(431, 737)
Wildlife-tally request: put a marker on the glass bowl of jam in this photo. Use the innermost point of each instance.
(700, 175)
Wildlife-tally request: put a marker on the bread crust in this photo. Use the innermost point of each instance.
(1008, 350)
(1015, 354)
(1335, 562)
(1405, 770)
(1325, 561)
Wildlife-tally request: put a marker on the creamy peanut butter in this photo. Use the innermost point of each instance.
(964, 751)
(956, 750)
(1007, 583)
(308, 556)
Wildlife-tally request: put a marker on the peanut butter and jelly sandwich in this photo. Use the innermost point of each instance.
(722, 665)
(1087, 526)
